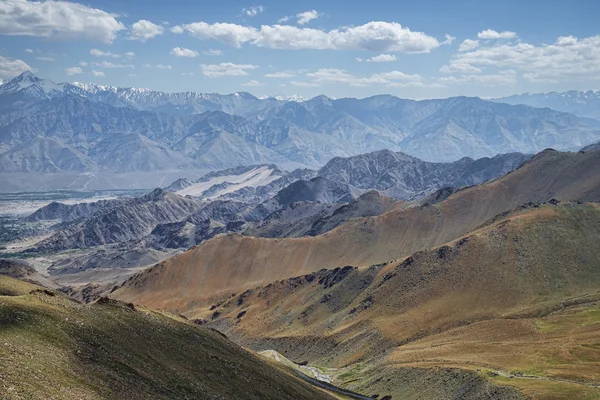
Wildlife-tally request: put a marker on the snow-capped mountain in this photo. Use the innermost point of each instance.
(581, 103)
(49, 127)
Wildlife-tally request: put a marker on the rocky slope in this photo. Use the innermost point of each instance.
(129, 219)
(505, 297)
(403, 176)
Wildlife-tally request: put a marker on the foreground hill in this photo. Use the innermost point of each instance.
(230, 264)
(516, 298)
(54, 347)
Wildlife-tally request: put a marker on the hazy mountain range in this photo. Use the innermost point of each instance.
(83, 128)
(583, 104)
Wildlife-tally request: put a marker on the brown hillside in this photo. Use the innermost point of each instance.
(231, 264)
(517, 298)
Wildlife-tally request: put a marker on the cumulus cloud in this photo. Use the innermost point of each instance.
(568, 58)
(282, 74)
(459, 68)
(97, 73)
(28, 51)
(111, 65)
(226, 69)
(83, 64)
(307, 16)
(100, 53)
(11, 68)
(144, 30)
(60, 20)
(177, 29)
(211, 52)
(373, 36)
(382, 58)
(74, 71)
(283, 20)
(45, 59)
(492, 34)
(252, 83)
(252, 11)
(183, 52)
(468, 44)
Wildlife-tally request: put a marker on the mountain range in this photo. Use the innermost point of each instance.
(583, 104)
(488, 291)
(74, 128)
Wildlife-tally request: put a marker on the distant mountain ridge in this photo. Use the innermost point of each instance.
(55, 128)
(581, 103)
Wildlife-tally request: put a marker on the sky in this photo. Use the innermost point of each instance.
(424, 49)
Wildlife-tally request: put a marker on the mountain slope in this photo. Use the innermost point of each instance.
(516, 297)
(112, 350)
(121, 221)
(230, 264)
(404, 176)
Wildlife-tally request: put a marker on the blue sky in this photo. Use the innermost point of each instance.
(423, 49)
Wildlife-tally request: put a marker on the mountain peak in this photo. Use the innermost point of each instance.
(26, 76)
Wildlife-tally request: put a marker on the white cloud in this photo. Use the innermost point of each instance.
(132, 75)
(11, 68)
(304, 84)
(211, 52)
(282, 74)
(144, 30)
(373, 36)
(332, 75)
(158, 66)
(283, 19)
(97, 73)
(459, 68)
(382, 58)
(61, 20)
(183, 52)
(568, 59)
(307, 16)
(252, 83)
(100, 53)
(111, 65)
(468, 44)
(45, 59)
(492, 34)
(74, 71)
(226, 69)
(252, 11)
(177, 29)
(83, 64)
(359, 59)
(28, 51)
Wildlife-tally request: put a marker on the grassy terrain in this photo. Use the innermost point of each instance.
(54, 347)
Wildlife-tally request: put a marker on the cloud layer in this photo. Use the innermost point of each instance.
(57, 19)
(373, 36)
